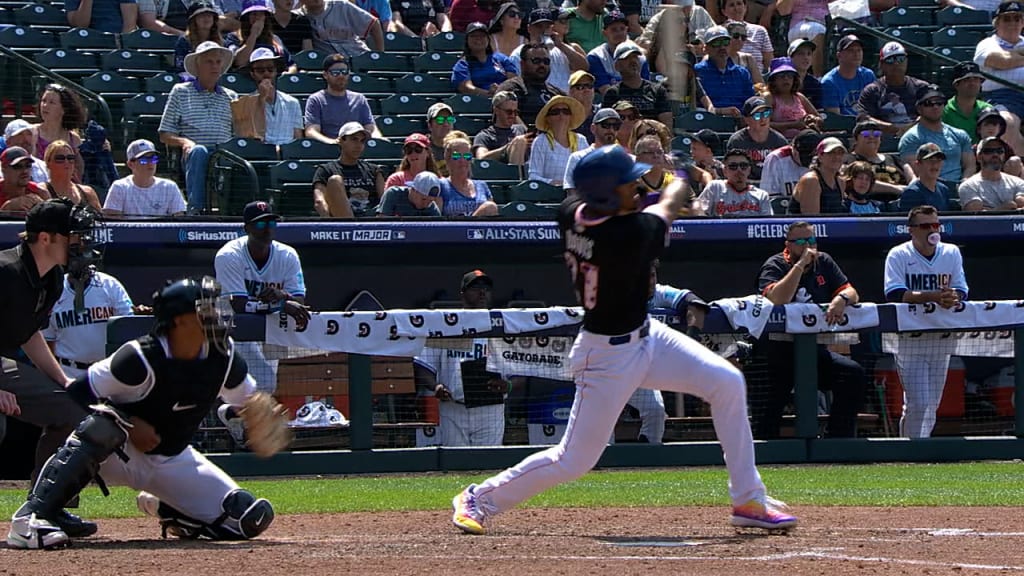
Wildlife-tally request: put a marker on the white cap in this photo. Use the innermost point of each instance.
(427, 183)
(350, 128)
(892, 49)
(140, 148)
(15, 127)
(262, 53)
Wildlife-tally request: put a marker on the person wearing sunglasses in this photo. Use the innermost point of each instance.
(735, 196)
(955, 143)
(737, 38)
(556, 140)
(991, 188)
(1000, 55)
(481, 67)
(565, 57)
(416, 158)
(842, 85)
(926, 188)
(331, 108)
(504, 28)
(757, 137)
(440, 123)
(892, 172)
(268, 114)
(819, 191)
(60, 162)
(889, 100)
(803, 273)
(650, 99)
(604, 128)
(726, 83)
(461, 195)
(924, 270)
(506, 139)
(531, 87)
(992, 122)
(965, 107)
(18, 193)
(18, 132)
(791, 110)
(143, 193)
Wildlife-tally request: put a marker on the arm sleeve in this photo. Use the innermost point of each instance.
(119, 297)
(363, 108)
(321, 176)
(959, 278)
(507, 64)
(830, 95)
(969, 192)
(115, 197)
(894, 277)
(766, 206)
(836, 277)
(295, 281)
(124, 378)
(230, 271)
(567, 180)
(238, 383)
(908, 145)
(177, 199)
(597, 69)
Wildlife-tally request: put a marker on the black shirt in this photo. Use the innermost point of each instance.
(820, 283)
(298, 29)
(416, 13)
(531, 97)
(360, 183)
(611, 263)
(492, 137)
(650, 99)
(25, 298)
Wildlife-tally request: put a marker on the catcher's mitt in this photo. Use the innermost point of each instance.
(266, 425)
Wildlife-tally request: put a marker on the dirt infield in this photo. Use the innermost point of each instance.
(564, 541)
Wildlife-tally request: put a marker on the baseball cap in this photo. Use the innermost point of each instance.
(781, 66)
(866, 125)
(350, 128)
(250, 6)
(417, 138)
(476, 27)
(428, 184)
(1009, 7)
(891, 49)
(965, 70)
(262, 53)
(990, 114)
(606, 114)
(258, 210)
(503, 96)
(708, 137)
(14, 155)
(929, 94)
(753, 104)
(847, 41)
(202, 6)
(599, 172)
(714, 33)
(623, 105)
(807, 139)
(15, 127)
(435, 110)
(470, 278)
(53, 216)
(140, 148)
(798, 44)
(929, 150)
(579, 75)
(993, 140)
(333, 59)
(830, 144)
(614, 16)
(541, 15)
(626, 49)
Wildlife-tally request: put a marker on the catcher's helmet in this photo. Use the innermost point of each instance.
(201, 296)
(598, 174)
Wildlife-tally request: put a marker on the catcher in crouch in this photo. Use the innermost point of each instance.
(146, 402)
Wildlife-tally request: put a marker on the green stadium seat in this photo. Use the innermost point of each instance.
(401, 126)
(376, 62)
(698, 120)
(422, 84)
(447, 42)
(958, 53)
(299, 85)
(366, 84)
(967, 36)
(494, 170)
(471, 125)
(903, 16)
(240, 82)
(86, 39)
(308, 149)
(148, 41)
(6, 16)
(919, 3)
(161, 83)
(20, 38)
(251, 149)
(538, 192)
(67, 62)
(780, 205)
(399, 43)
(916, 35)
(112, 83)
(40, 15)
(406, 105)
(466, 104)
(133, 63)
(291, 187)
(959, 16)
(521, 209)
(437, 62)
(837, 123)
(378, 149)
(309, 60)
(142, 115)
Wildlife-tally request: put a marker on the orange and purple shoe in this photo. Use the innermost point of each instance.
(468, 516)
(766, 513)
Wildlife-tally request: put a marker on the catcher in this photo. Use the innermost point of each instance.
(146, 402)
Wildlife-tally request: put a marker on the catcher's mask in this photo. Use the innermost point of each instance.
(87, 255)
(202, 296)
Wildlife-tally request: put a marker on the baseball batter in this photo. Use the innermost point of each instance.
(610, 249)
(924, 270)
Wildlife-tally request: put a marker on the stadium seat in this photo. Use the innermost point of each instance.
(780, 205)
(447, 42)
(400, 126)
(251, 149)
(698, 120)
(538, 192)
(309, 60)
(405, 105)
(309, 149)
(112, 84)
(958, 53)
(143, 110)
(148, 41)
(299, 85)
(917, 35)
(959, 16)
(471, 126)
(376, 62)
(36, 15)
(291, 187)
(378, 149)
(67, 62)
(20, 38)
(960, 36)
(837, 123)
(133, 63)
(466, 104)
(494, 170)
(902, 16)
(366, 84)
(86, 39)
(240, 82)
(422, 84)
(889, 144)
(919, 3)
(520, 209)
(6, 16)
(161, 83)
(437, 62)
(401, 43)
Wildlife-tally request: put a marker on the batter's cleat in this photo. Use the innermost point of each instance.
(34, 533)
(74, 526)
(468, 516)
(766, 513)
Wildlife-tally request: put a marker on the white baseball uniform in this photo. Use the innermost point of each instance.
(80, 338)
(239, 275)
(923, 364)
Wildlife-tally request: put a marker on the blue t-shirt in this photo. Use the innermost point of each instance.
(838, 92)
(106, 14)
(331, 112)
(953, 142)
(455, 204)
(729, 88)
(917, 194)
(483, 74)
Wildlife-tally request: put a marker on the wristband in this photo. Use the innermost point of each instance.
(255, 307)
(844, 297)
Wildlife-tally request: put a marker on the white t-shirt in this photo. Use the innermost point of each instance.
(574, 159)
(780, 173)
(239, 276)
(991, 45)
(559, 71)
(992, 193)
(163, 198)
(907, 269)
(82, 336)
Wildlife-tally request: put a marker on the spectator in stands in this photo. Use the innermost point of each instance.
(842, 85)
(1002, 56)
(686, 18)
(737, 37)
(481, 69)
(114, 16)
(422, 18)
(420, 197)
(601, 60)
(758, 138)
(727, 84)
(18, 132)
(784, 167)
(693, 95)
(630, 116)
(955, 143)
(155, 18)
(506, 139)
(556, 139)
(989, 6)
(758, 43)
(504, 29)
(533, 89)
(604, 127)
(650, 99)
(464, 12)
(342, 27)
(702, 149)
(440, 123)
(348, 187)
(460, 194)
(586, 24)
(197, 116)
(964, 108)
(565, 58)
(294, 29)
(256, 31)
(62, 117)
(203, 26)
(801, 52)
(334, 106)
(273, 116)
(60, 163)
(648, 127)
(892, 174)
(807, 21)
(855, 181)
(581, 88)
(17, 192)
(992, 122)
(801, 273)
(143, 193)
(734, 196)
(416, 158)
(820, 191)
(890, 100)
(926, 189)
(649, 150)
(992, 189)
(791, 110)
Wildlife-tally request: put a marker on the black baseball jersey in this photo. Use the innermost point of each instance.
(820, 282)
(611, 261)
(25, 299)
(174, 396)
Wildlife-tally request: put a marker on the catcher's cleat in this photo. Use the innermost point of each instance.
(74, 526)
(468, 516)
(34, 533)
(766, 513)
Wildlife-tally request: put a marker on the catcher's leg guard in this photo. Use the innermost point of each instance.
(244, 517)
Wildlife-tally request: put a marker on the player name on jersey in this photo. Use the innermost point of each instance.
(256, 287)
(68, 318)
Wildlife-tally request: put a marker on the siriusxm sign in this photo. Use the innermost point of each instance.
(903, 229)
(186, 235)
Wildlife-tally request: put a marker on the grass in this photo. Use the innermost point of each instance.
(967, 484)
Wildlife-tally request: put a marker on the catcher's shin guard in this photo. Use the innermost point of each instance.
(244, 517)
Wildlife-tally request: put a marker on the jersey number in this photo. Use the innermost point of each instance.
(584, 278)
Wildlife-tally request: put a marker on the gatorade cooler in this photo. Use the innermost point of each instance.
(429, 412)
(952, 403)
(548, 416)
(1000, 390)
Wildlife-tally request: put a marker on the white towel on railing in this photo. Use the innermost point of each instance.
(809, 318)
(532, 319)
(441, 322)
(750, 312)
(352, 332)
(973, 314)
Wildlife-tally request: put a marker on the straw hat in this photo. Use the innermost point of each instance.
(577, 118)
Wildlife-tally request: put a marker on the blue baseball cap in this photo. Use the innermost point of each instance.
(598, 174)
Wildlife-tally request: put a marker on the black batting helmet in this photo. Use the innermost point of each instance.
(201, 296)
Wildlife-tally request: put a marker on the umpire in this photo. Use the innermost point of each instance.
(31, 281)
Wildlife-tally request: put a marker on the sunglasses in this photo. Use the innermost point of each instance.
(338, 72)
(146, 160)
(900, 59)
(811, 240)
(461, 156)
(1011, 17)
(738, 166)
(583, 87)
(610, 125)
(928, 226)
(737, 36)
(720, 43)
(62, 158)
(510, 111)
(762, 115)
(933, 103)
(538, 61)
(992, 150)
(559, 112)
(264, 224)
(870, 133)
(513, 14)
(22, 166)
(413, 149)
(444, 119)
